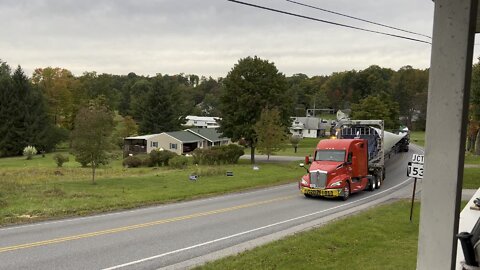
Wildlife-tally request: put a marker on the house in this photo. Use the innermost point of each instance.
(211, 137)
(180, 142)
(202, 121)
(140, 144)
(310, 127)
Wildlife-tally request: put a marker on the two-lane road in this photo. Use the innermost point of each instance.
(155, 237)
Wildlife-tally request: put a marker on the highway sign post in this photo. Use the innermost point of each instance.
(415, 170)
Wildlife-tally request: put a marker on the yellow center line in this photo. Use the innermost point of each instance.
(138, 226)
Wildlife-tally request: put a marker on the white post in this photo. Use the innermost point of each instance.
(448, 94)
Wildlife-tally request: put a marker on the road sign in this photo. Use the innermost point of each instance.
(416, 158)
(415, 170)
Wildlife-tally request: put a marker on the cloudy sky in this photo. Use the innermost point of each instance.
(207, 37)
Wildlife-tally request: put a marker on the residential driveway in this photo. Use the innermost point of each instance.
(263, 158)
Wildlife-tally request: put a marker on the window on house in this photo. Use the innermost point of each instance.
(309, 131)
(154, 144)
(173, 146)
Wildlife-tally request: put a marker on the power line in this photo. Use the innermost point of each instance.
(328, 22)
(359, 19)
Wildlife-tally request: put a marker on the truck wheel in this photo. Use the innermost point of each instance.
(372, 184)
(307, 195)
(346, 192)
(378, 181)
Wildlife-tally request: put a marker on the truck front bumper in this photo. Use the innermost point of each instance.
(322, 192)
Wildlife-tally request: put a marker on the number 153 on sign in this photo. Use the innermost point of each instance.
(415, 170)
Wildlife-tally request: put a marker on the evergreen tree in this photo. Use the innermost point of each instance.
(26, 120)
(161, 111)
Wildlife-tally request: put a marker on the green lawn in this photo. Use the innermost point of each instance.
(471, 178)
(36, 189)
(305, 147)
(418, 138)
(380, 238)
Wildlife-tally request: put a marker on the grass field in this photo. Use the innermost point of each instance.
(36, 189)
(418, 138)
(305, 147)
(380, 238)
(471, 178)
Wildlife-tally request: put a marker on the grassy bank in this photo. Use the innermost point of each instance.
(381, 238)
(36, 189)
(418, 138)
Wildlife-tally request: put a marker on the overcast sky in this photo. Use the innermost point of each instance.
(207, 37)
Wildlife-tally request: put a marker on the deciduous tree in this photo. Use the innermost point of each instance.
(91, 136)
(251, 85)
(271, 133)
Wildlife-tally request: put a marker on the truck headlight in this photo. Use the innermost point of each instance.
(304, 182)
(336, 184)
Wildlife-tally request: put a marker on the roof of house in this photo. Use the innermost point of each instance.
(308, 122)
(142, 137)
(184, 136)
(202, 118)
(209, 134)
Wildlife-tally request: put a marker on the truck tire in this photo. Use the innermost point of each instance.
(372, 184)
(378, 181)
(307, 195)
(346, 192)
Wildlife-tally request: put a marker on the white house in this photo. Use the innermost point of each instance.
(310, 127)
(202, 121)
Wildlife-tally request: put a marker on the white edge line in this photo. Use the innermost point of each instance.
(250, 231)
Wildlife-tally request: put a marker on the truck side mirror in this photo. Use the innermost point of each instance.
(307, 160)
(303, 166)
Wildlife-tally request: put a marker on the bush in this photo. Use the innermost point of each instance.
(232, 153)
(160, 158)
(225, 154)
(147, 161)
(60, 159)
(132, 162)
(29, 151)
(179, 162)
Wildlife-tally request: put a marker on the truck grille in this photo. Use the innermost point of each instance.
(318, 179)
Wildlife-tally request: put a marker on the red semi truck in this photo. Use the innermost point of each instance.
(353, 162)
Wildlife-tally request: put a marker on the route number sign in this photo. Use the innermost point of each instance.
(415, 170)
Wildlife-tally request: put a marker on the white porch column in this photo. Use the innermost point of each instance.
(448, 94)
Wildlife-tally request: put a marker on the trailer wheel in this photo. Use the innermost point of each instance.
(346, 192)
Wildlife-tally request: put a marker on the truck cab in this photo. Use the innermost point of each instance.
(339, 168)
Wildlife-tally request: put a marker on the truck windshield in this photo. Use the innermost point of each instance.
(330, 155)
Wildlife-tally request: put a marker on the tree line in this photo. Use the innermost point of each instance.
(41, 110)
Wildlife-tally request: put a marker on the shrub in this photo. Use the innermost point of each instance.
(147, 161)
(29, 151)
(232, 153)
(60, 159)
(179, 162)
(132, 162)
(160, 158)
(228, 154)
